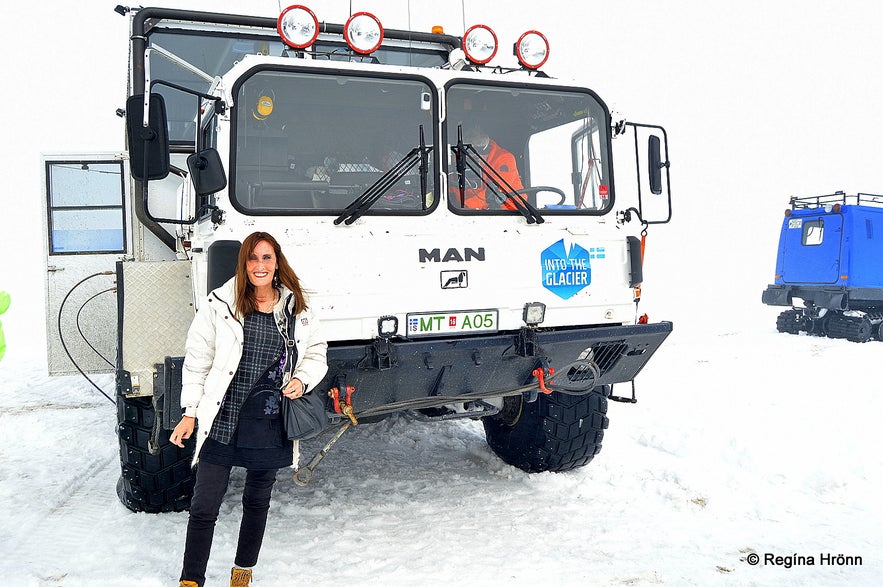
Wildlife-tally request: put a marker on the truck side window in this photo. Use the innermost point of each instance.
(85, 207)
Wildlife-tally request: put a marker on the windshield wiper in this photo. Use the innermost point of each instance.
(468, 157)
(360, 205)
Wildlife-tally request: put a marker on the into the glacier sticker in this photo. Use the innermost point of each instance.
(565, 272)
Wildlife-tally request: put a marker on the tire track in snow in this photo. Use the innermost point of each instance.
(68, 525)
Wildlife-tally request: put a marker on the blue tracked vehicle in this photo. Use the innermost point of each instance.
(829, 257)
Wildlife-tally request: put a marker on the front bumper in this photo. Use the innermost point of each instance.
(384, 372)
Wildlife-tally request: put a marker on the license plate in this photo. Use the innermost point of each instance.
(451, 323)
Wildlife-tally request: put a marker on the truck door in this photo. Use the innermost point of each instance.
(811, 251)
(87, 229)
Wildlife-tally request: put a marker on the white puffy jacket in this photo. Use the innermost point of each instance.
(214, 348)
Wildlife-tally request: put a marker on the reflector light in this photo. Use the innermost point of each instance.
(480, 44)
(532, 49)
(298, 26)
(363, 33)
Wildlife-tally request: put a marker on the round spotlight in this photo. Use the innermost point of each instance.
(532, 49)
(363, 33)
(480, 44)
(298, 26)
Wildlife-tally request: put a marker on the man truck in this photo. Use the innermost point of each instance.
(346, 142)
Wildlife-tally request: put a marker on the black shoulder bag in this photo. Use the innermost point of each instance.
(304, 417)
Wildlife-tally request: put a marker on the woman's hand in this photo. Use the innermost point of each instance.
(294, 389)
(182, 431)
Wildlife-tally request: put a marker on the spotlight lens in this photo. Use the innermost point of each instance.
(298, 26)
(534, 313)
(480, 44)
(363, 33)
(532, 49)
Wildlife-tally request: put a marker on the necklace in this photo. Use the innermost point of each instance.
(267, 304)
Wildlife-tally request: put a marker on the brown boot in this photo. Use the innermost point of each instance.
(240, 577)
(188, 584)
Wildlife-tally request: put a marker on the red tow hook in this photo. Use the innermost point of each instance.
(540, 374)
(344, 407)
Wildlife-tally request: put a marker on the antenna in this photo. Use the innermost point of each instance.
(463, 14)
(410, 46)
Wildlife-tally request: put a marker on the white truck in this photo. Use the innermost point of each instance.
(348, 143)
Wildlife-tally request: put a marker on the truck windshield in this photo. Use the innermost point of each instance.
(314, 142)
(548, 147)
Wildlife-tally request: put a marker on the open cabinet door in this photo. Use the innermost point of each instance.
(87, 229)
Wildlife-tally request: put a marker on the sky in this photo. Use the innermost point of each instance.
(742, 442)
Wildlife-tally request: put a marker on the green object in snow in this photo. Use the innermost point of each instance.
(4, 305)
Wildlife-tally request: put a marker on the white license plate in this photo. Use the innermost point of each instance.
(452, 323)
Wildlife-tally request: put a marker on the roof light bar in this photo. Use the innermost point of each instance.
(363, 33)
(532, 49)
(479, 44)
(298, 26)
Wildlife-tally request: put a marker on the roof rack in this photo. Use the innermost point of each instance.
(838, 197)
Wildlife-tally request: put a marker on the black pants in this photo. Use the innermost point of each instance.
(208, 493)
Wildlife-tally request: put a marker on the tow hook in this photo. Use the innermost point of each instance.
(540, 374)
(344, 406)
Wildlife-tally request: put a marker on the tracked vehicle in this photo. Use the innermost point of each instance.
(829, 260)
(346, 142)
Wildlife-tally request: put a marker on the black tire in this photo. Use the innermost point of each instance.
(153, 483)
(557, 432)
(790, 321)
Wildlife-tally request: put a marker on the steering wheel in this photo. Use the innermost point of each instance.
(543, 188)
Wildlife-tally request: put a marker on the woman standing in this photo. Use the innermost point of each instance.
(251, 337)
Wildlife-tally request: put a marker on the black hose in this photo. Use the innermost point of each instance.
(441, 400)
(80, 330)
(61, 336)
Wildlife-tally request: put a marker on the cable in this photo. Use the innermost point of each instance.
(441, 400)
(80, 330)
(61, 336)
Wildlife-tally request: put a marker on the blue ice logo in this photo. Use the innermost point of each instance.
(566, 273)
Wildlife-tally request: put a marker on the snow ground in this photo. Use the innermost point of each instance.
(742, 442)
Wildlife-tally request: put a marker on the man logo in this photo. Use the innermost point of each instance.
(452, 254)
(454, 279)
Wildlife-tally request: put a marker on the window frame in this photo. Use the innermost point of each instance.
(430, 134)
(449, 133)
(51, 209)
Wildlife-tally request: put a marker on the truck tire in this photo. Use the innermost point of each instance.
(153, 483)
(557, 432)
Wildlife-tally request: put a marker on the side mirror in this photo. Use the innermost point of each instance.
(654, 164)
(148, 145)
(207, 172)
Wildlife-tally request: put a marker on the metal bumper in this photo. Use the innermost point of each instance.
(387, 371)
(840, 298)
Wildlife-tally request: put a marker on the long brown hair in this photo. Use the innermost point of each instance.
(246, 303)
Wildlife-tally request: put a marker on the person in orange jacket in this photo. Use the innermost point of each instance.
(501, 160)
